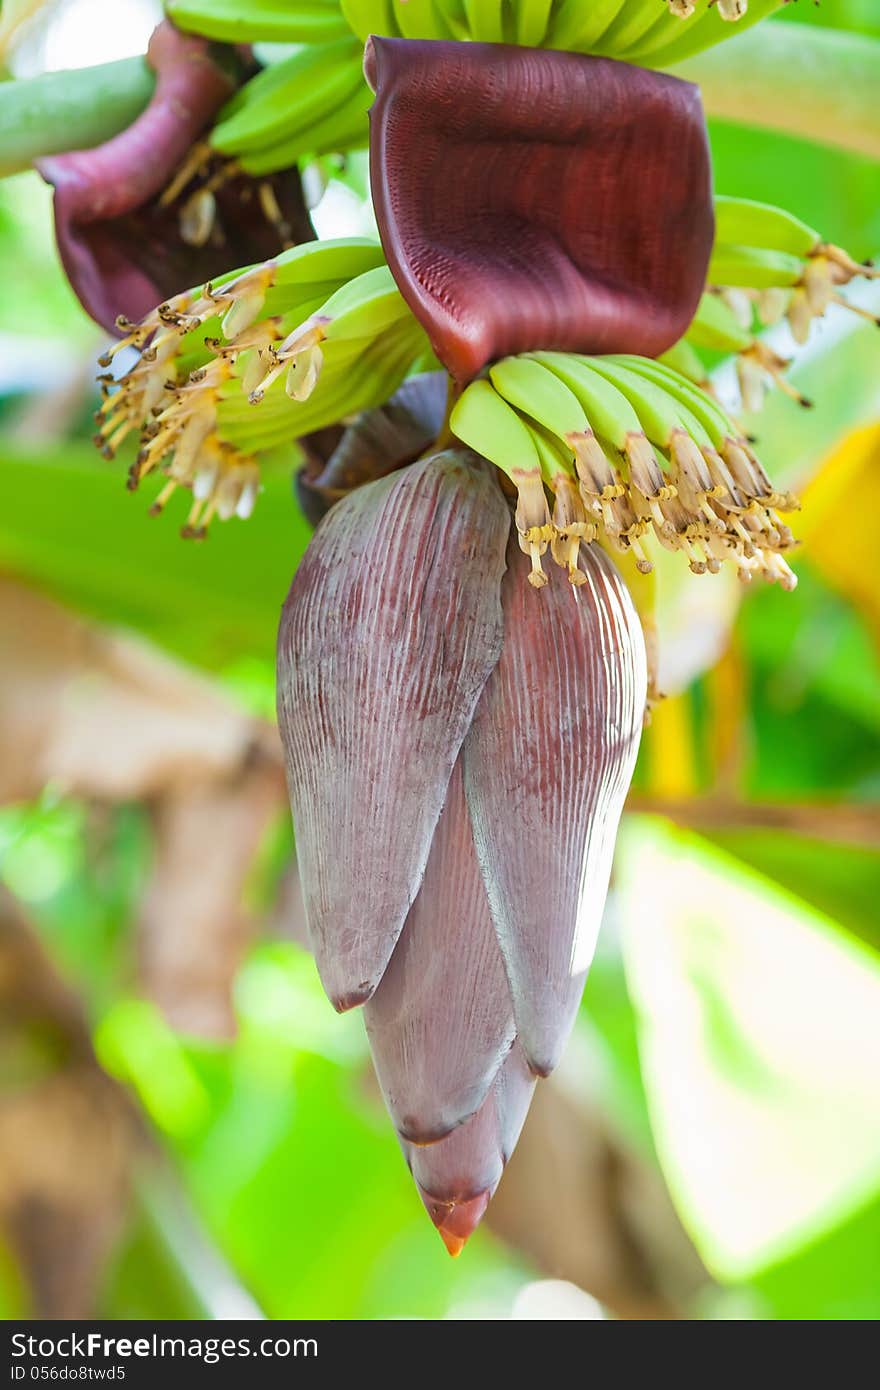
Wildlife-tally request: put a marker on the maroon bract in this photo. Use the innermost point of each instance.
(122, 246)
(464, 922)
(532, 199)
(389, 632)
(547, 765)
(441, 1021)
(457, 1176)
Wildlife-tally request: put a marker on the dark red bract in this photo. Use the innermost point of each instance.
(533, 199)
(120, 244)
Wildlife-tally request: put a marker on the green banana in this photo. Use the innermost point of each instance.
(675, 26)
(608, 412)
(421, 19)
(576, 26)
(298, 274)
(543, 394)
(344, 387)
(289, 95)
(456, 18)
(753, 267)
(658, 414)
(555, 457)
(700, 30)
(732, 464)
(340, 259)
(702, 407)
(570, 520)
(364, 307)
(683, 358)
(531, 18)
(218, 381)
(345, 128)
(743, 222)
(532, 389)
(632, 24)
(491, 427)
(672, 427)
(282, 21)
(485, 20)
(366, 17)
(717, 478)
(613, 418)
(716, 327)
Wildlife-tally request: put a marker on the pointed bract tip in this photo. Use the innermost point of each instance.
(456, 1221)
(354, 998)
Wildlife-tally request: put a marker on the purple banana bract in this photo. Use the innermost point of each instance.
(124, 243)
(528, 198)
(459, 747)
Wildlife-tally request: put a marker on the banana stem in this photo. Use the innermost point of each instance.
(817, 84)
(71, 110)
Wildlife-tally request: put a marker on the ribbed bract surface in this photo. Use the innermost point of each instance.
(441, 1021)
(465, 1167)
(390, 630)
(547, 764)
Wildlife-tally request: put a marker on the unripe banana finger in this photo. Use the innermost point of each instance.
(752, 267)
(577, 27)
(715, 326)
(744, 222)
(535, 391)
(531, 18)
(421, 19)
(455, 18)
(633, 23)
(340, 259)
(656, 411)
(701, 30)
(271, 20)
(608, 411)
(706, 411)
(366, 17)
(485, 20)
(491, 427)
(290, 94)
(683, 358)
(676, 26)
(344, 129)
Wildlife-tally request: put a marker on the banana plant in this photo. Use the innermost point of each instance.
(505, 410)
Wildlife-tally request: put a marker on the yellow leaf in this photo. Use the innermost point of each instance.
(839, 518)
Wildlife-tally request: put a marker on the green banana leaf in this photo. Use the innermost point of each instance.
(759, 1048)
(69, 527)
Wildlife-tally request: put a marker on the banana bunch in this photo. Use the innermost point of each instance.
(641, 31)
(629, 450)
(312, 102)
(248, 364)
(766, 265)
(653, 33)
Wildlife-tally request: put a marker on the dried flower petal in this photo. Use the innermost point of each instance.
(441, 1021)
(547, 767)
(390, 630)
(534, 199)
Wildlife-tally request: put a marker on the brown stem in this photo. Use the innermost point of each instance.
(846, 824)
